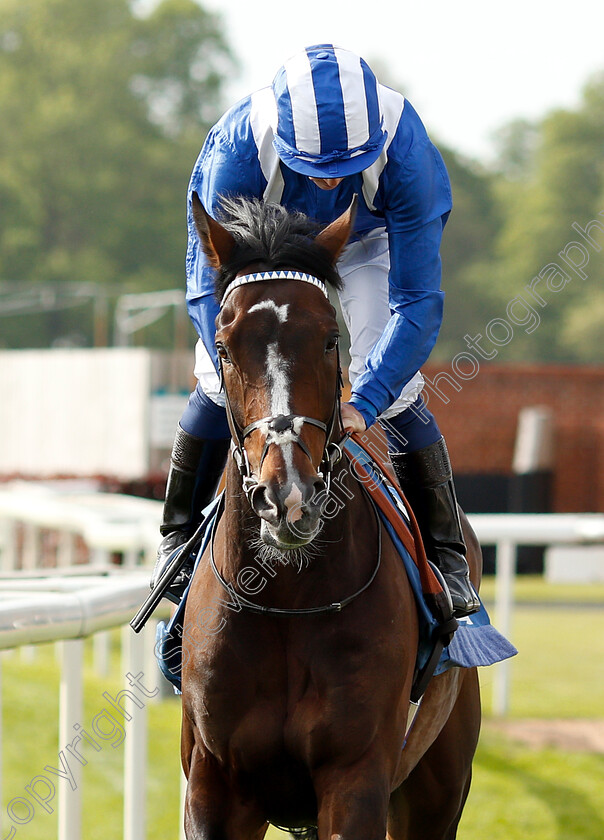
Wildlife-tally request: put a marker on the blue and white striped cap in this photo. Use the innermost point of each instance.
(329, 118)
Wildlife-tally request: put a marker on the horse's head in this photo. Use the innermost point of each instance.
(277, 341)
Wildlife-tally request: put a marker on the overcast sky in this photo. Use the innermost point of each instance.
(468, 66)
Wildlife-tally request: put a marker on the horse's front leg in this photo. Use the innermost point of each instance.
(214, 810)
(353, 803)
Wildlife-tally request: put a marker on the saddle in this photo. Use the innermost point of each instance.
(445, 642)
(435, 611)
(380, 483)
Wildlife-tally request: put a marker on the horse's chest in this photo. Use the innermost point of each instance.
(267, 702)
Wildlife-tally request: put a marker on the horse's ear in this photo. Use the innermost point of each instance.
(335, 236)
(217, 243)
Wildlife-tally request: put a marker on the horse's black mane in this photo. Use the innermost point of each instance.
(275, 237)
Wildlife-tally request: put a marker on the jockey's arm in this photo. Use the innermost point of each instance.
(419, 201)
(222, 169)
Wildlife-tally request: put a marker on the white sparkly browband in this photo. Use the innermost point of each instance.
(273, 275)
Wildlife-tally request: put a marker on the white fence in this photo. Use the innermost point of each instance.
(101, 524)
(72, 602)
(506, 531)
(79, 533)
(66, 609)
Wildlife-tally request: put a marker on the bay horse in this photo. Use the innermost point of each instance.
(300, 632)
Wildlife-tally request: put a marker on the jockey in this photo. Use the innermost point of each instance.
(324, 131)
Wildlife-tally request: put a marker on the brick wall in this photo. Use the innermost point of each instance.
(479, 418)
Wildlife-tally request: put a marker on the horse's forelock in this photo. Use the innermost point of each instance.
(278, 239)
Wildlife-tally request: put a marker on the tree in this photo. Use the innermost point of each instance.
(468, 239)
(562, 191)
(467, 244)
(104, 113)
(516, 143)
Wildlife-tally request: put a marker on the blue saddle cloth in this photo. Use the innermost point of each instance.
(475, 643)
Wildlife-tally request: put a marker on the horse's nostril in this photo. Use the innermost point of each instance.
(319, 487)
(261, 502)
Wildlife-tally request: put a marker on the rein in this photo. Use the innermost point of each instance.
(326, 609)
(289, 425)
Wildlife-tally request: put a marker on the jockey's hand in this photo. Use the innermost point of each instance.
(352, 420)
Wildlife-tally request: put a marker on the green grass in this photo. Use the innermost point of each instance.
(30, 715)
(517, 792)
(558, 672)
(520, 793)
(529, 589)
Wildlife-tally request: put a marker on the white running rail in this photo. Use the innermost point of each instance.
(83, 595)
(506, 531)
(65, 610)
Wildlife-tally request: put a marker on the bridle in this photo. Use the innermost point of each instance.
(290, 425)
(282, 428)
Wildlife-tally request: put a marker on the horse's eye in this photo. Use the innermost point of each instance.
(223, 353)
(331, 343)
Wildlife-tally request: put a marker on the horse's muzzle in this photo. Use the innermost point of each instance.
(291, 517)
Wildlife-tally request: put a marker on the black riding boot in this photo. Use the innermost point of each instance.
(196, 467)
(426, 480)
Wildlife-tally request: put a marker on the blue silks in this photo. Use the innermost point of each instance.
(412, 429)
(406, 191)
(203, 419)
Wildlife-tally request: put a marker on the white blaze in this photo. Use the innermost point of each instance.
(279, 311)
(278, 380)
(277, 370)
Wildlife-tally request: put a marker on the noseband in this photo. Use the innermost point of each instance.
(282, 428)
